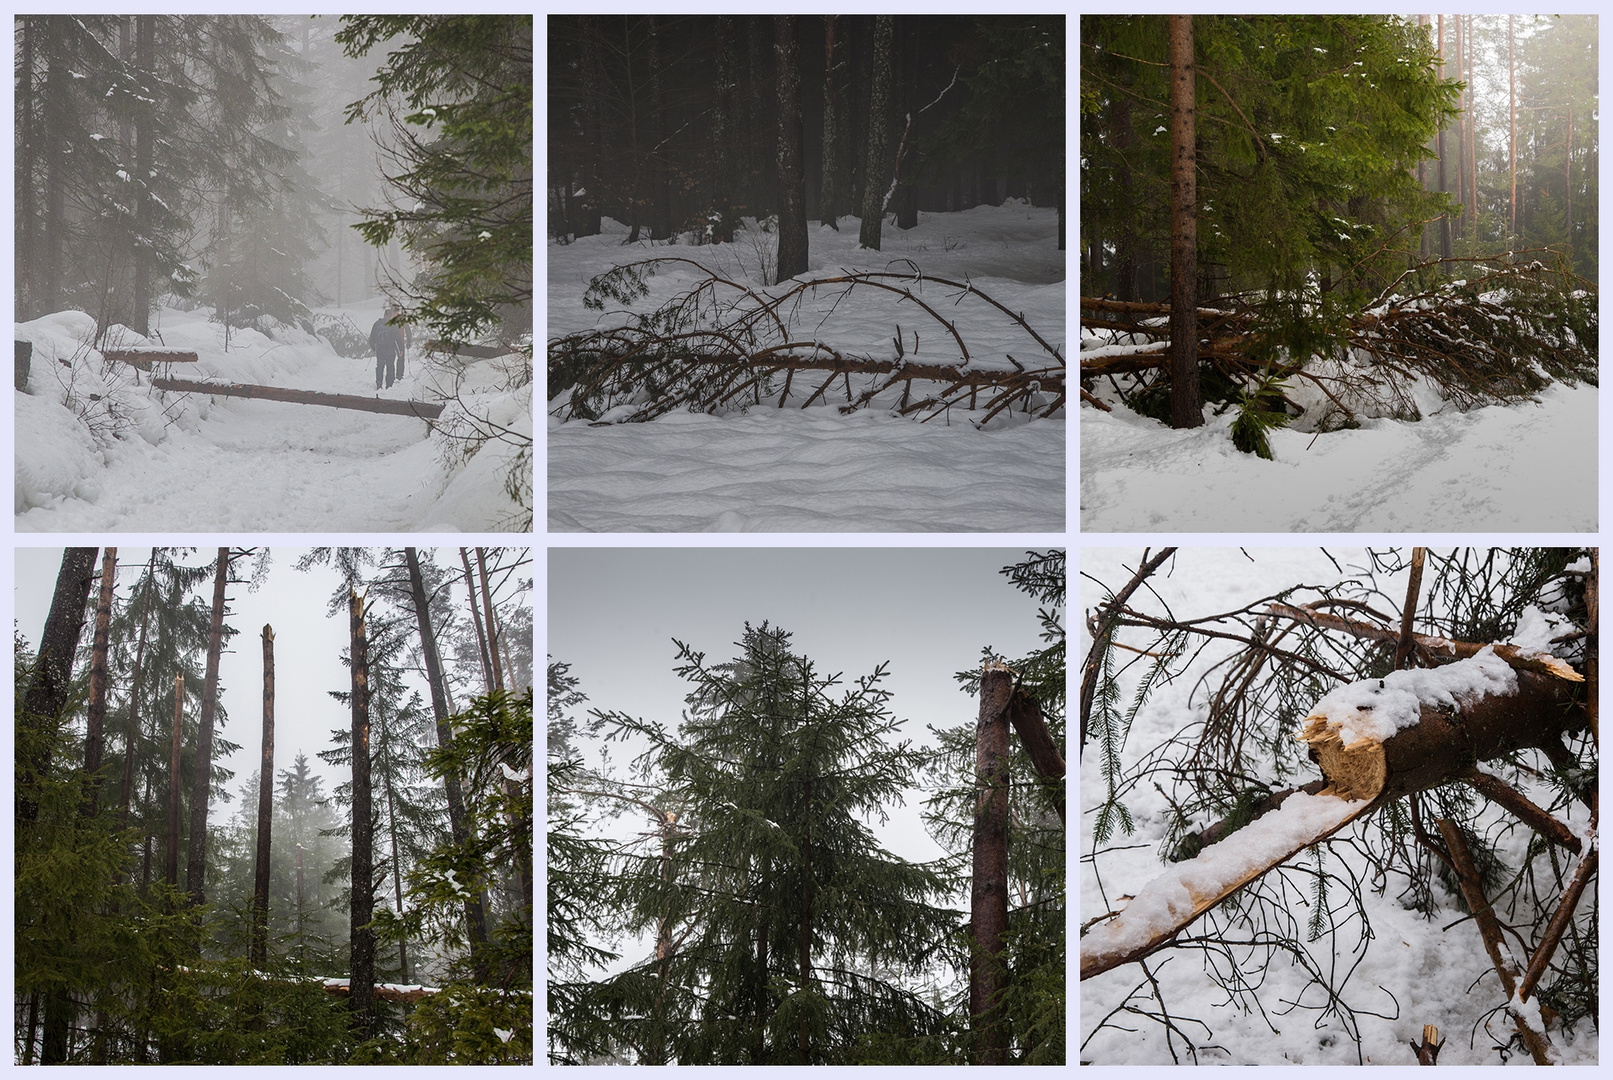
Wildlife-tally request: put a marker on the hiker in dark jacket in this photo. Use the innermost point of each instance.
(387, 342)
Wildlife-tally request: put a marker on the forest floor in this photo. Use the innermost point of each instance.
(123, 458)
(1526, 467)
(816, 469)
(1416, 970)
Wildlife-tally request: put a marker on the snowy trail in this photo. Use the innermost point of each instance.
(817, 471)
(1524, 468)
(202, 463)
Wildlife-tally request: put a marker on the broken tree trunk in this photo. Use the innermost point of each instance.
(95, 726)
(422, 409)
(171, 855)
(361, 909)
(202, 783)
(143, 358)
(1374, 741)
(1025, 713)
(988, 894)
(53, 667)
(260, 884)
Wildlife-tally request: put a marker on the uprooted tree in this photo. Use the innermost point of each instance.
(722, 345)
(1460, 733)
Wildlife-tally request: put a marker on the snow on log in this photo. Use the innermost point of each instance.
(423, 410)
(1417, 728)
(143, 356)
(406, 995)
(1171, 901)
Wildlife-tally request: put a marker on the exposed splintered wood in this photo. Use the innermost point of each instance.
(1178, 896)
(423, 409)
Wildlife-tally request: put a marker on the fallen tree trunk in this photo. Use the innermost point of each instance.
(1374, 741)
(422, 409)
(143, 358)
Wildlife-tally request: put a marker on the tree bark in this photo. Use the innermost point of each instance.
(476, 621)
(177, 743)
(202, 782)
(1512, 129)
(660, 188)
(492, 621)
(988, 896)
(25, 223)
(828, 189)
(591, 214)
(475, 917)
(260, 886)
(131, 736)
(95, 725)
(1025, 713)
(874, 172)
(1444, 219)
(361, 939)
(1186, 408)
(145, 50)
(792, 230)
(46, 698)
(722, 128)
(424, 410)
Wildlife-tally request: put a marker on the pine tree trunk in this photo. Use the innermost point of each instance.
(1444, 219)
(492, 622)
(392, 835)
(792, 230)
(722, 144)
(202, 782)
(875, 176)
(476, 621)
(48, 684)
(593, 129)
(131, 736)
(988, 895)
(829, 191)
(260, 886)
(56, 168)
(660, 188)
(758, 127)
(1512, 131)
(95, 725)
(361, 909)
(25, 220)
(177, 743)
(1186, 410)
(475, 918)
(145, 145)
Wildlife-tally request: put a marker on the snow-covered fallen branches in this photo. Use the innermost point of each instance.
(722, 345)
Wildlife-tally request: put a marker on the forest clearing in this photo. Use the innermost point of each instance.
(794, 873)
(739, 338)
(355, 907)
(1349, 261)
(332, 215)
(1340, 802)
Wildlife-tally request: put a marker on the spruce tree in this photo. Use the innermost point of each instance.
(785, 933)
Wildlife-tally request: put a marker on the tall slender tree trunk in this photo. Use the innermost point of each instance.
(492, 621)
(202, 782)
(475, 918)
(1186, 409)
(792, 230)
(1568, 182)
(723, 119)
(758, 127)
(56, 173)
(48, 684)
(131, 734)
(26, 218)
(95, 725)
(660, 187)
(828, 188)
(361, 939)
(874, 173)
(1458, 46)
(260, 885)
(392, 835)
(145, 59)
(1444, 219)
(476, 621)
(1512, 130)
(988, 897)
(176, 743)
(588, 223)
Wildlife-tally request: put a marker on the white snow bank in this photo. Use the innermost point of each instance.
(98, 450)
(1164, 902)
(1525, 467)
(1377, 708)
(1536, 628)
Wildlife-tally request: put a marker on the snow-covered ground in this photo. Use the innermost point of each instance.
(98, 450)
(816, 469)
(1415, 970)
(1528, 467)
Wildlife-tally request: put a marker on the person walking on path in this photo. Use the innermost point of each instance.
(387, 342)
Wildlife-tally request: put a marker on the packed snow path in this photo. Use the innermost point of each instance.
(1525, 467)
(188, 462)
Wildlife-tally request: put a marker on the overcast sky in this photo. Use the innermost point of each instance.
(307, 650)
(613, 613)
